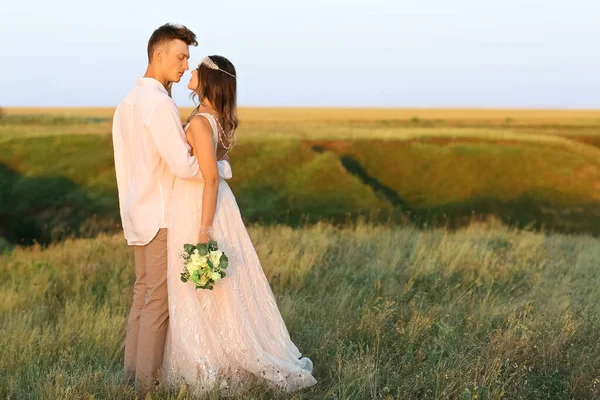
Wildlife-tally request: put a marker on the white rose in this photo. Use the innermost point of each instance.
(215, 257)
(191, 267)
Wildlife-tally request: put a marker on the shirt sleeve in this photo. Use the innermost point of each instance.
(169, 138)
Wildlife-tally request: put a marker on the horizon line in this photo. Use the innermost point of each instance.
(448, 108)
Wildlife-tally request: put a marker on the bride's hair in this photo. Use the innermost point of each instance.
(219, 86)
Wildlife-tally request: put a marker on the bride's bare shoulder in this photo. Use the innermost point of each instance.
(198, 126)
(200, 123)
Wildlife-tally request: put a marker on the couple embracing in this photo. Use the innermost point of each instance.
(173, 191)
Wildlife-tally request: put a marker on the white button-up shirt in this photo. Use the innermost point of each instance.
(150, 150)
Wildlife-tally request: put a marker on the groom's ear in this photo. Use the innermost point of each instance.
(158, 54)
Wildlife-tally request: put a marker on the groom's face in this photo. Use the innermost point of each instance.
(174, 60)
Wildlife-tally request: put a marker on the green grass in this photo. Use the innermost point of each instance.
(485, 312)
(60, 185)
(55, 186)
(286, 181)
(385, 308)
(447, 180)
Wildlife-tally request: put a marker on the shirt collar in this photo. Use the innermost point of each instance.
(151, 81)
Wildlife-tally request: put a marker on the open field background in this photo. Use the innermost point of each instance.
(528, 168)
(414, 254)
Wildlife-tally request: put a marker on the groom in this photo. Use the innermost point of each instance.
(150, 150)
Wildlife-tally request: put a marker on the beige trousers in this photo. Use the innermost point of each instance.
(149, 315)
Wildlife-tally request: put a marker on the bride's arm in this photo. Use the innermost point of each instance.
(200, 134)
(223, 165)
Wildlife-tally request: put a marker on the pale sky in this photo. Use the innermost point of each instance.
(377, 53)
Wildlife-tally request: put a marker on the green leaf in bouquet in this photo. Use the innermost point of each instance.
(223, 261)
(196, 276)
(210, 264)
(189, 248)
(209, 287)
(223, 274)
(213, 246)
(202, 249)
(185, 275)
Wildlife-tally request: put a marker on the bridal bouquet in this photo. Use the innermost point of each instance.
(204, 264)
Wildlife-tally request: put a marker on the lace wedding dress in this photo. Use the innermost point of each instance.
(234, 332)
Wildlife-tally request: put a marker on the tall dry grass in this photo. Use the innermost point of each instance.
(384, 312)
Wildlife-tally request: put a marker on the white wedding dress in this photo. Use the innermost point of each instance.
(235, 331)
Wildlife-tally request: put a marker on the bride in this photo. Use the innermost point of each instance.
(233, 333)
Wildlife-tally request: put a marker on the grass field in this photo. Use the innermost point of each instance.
(529, 168)
(385, 312)
(332, 123)
(414, 254)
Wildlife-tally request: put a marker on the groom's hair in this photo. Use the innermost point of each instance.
(167, 33)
